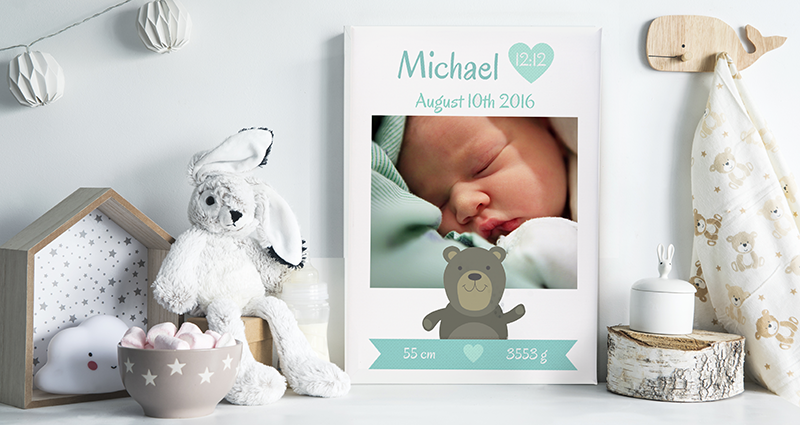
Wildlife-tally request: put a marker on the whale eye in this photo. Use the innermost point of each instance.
(90, 354)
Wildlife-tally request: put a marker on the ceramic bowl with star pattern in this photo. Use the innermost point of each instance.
(178, 383)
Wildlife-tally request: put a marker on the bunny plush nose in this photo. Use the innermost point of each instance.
(235, 216)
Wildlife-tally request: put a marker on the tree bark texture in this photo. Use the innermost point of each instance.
(701, 366)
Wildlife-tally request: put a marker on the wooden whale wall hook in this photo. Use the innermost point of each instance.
(686, 43)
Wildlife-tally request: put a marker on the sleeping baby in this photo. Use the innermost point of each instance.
(473, 181)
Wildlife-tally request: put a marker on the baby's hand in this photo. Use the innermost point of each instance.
(544, 250)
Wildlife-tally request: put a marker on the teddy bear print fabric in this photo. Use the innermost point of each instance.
(746, 257)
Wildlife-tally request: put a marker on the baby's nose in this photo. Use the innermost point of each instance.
(468, 201)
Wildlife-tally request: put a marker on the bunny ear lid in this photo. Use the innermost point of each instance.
(241, 153)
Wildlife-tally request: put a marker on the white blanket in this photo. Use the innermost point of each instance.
(746, 254)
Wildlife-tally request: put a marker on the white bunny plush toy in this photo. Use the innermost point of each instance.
(243, 242)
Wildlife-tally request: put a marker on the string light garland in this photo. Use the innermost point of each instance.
(28, 46)
(35, 78)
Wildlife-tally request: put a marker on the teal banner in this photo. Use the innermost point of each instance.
(468, 354)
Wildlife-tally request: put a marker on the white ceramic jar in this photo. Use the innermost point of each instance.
(662, 305)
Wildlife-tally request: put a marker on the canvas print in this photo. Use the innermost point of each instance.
(472, 224)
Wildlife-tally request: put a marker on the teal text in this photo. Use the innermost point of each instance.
(452, 69)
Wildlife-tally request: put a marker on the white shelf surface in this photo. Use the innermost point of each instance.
(445, 404)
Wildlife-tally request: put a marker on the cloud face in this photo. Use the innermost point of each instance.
(83, 359)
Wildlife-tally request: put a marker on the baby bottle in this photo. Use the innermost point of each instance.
(307, 298)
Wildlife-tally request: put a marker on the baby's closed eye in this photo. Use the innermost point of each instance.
(484, 161)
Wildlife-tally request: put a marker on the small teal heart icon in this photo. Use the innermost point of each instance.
(531, 62)
(473, 352)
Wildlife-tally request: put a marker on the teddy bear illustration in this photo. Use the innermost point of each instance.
(474, 281)
(768, 326)
(763, 136)
(744, 244)
(770, 142)
(789, 186)
(725, 163)
(699, 283)
(711, 121)
(736, 295)
(794, 266)
(774, 211)
(708, 227)
(749, 136)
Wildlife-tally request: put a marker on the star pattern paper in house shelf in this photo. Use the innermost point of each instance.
(85, 271)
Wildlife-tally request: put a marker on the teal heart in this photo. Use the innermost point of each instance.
(473, 352)
(531, 62)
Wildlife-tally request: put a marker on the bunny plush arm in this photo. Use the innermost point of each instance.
(272, 277)
(176, 285)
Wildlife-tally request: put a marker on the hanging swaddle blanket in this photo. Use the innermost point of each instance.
(746, 257)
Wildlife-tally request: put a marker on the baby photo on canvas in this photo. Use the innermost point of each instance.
(469, 181)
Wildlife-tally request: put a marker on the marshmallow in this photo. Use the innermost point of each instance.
(214, 334)
(134, 338)
(188, 328)
(226, 340)
(166, 328)
(165, 336)
(198, 340)
(167, 342)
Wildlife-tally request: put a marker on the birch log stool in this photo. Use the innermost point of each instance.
(701, 366)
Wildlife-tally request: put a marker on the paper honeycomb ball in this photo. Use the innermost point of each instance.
(35, 79)
(163, 25)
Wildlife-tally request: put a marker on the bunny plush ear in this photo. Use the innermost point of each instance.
(240, 153)
(279, 228)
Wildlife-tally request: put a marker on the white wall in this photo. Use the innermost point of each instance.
(131, 119)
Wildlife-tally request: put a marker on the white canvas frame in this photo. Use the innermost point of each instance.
(568, 88)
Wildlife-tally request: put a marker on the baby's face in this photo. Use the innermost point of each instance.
(488, 175)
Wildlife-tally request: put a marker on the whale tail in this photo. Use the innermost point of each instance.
(761, 43)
